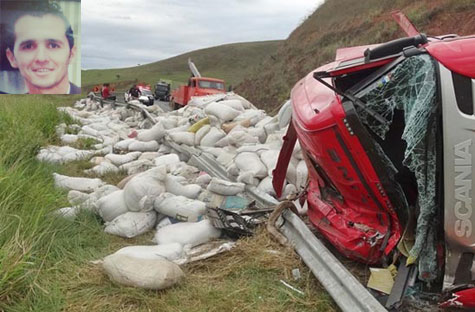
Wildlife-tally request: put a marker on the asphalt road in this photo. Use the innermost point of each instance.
(162, 105)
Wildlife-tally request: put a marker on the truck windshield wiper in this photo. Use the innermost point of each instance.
(319, 77)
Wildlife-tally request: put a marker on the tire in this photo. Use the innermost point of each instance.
(177, 106)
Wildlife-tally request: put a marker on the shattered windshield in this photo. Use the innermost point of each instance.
(412, 87)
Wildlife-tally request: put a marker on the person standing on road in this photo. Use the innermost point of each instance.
(134, 92)
(40, 44)
(106, 95)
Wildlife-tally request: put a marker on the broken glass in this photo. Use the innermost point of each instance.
(412, 87)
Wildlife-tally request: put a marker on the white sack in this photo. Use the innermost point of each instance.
(223, 112)
(224, 187)
(131, 224)
(180, 207)
(143, 273)
(167, 160)
(173, 186)
(170, 252)
(103, 168)
(213, 136)
(151, 146)
(76, 197)
(136, 166)
(141, 190)
(250, 162)
(68, 213)
(301, 175)
(285, 114)
(111, 206)
(69, 138)
(253, 115)
(124, 144)
(269, 158)
(78, 184)
(235, 104)
(183, 137)
(120, 159)
(149, 156)
(155, 133)
(187, 233)
(201, 133)
(266, 186)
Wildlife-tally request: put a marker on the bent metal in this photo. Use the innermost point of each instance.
(463, 188)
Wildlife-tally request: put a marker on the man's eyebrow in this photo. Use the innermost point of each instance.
(57, 41)
(27, 42)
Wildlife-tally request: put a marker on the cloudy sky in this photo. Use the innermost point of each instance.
(130, 32)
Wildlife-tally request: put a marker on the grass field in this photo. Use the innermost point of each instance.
(231, 62)
(45, 261)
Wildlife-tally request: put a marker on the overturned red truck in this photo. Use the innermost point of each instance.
(387, 133)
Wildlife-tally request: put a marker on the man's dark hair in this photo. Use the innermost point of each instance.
(37, 9)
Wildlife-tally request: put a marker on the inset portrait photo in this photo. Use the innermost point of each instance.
(40, 47)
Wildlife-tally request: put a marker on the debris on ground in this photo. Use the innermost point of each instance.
(195, 214)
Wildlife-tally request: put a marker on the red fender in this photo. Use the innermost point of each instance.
(461, 299)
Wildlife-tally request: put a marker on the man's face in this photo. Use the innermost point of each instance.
(41, 51)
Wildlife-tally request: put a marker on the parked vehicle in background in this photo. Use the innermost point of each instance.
(162, 91)
(197, 86)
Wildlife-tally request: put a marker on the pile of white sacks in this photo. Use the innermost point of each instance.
(161, 188)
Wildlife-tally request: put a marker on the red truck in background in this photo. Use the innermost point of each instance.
(197, 86)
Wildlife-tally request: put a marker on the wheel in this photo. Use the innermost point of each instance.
(177, 106)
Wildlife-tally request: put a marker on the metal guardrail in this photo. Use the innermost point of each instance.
(344, 288)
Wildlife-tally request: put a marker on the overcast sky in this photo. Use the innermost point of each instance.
(130, 32)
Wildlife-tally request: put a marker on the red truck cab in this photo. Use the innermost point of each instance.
(197, 86)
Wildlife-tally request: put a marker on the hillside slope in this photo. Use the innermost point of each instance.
(344, 23)
(231, 62)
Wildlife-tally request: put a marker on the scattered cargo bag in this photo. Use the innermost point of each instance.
(187, 233)
(76, 197)
(137, 166)
(173, 186)
(151, 146)
(124, 144)
(203, 179)
(141, 190)
(103, 168)
(223, 112)
(78, 184)
(180, 207)
(155, 133)
(213, 136)
(143, 273)
(250, 162)
(131, 224)
(224, 187)
(121, 159)
(111, 206)
(170, 252)
(182, 137)
(68, 213)
(169, 159)
(201, 133)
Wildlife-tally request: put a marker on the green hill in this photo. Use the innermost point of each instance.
(231, 62)
(344, 23)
